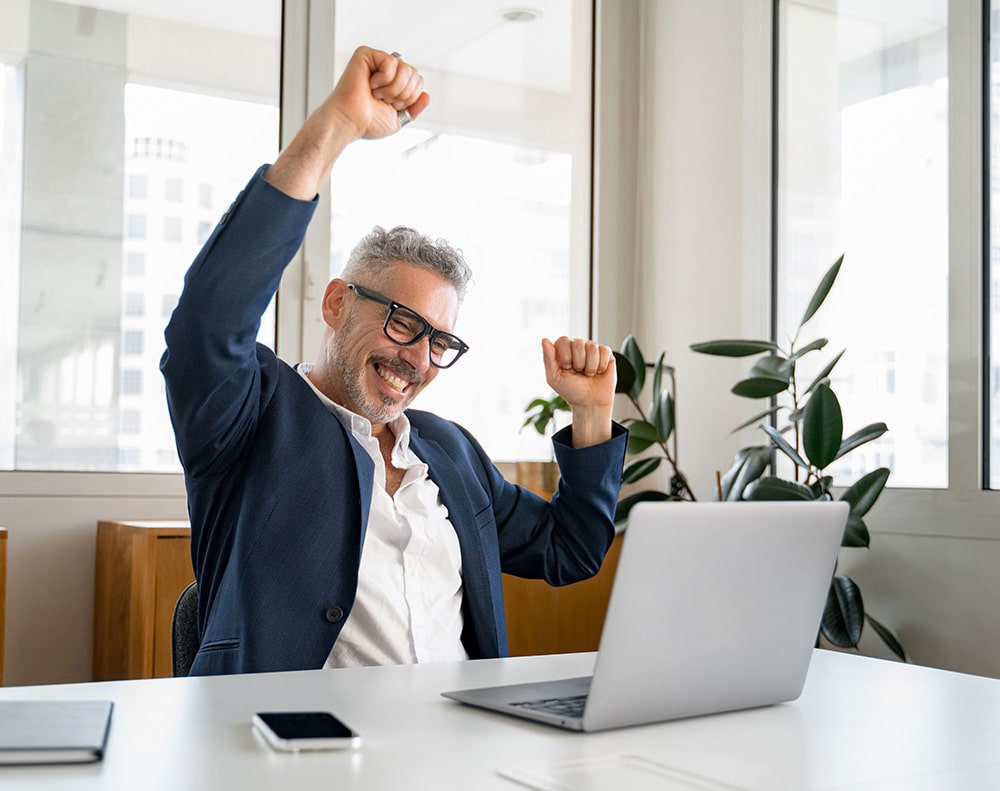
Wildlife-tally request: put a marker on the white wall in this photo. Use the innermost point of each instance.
(52, 519)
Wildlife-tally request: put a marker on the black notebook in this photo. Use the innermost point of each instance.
(53, 731)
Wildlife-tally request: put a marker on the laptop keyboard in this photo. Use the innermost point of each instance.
(563, 707)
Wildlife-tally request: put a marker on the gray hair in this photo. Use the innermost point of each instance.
(380, 249)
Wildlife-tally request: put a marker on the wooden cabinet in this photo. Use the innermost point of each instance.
(542, 619)
(3, 594)
(141, 569)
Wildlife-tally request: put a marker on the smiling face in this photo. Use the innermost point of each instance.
(362, 369)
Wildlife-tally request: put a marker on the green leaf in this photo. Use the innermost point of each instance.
(867, 434)
(626, 503)
(658, 377)
(773, 366)
(545, 409)
(758, 417)
(662, 416)
(822, 290)
(822, 427)
(856, 533)
(640, 436)
(734, 348)
(784, 446)
(817, 344)
(640, 469)
(824, 375)
(865, 491)
(844, 614)
(771, 488)
(626, 374)
(888, 638)
(760, 387)
(748, 465)
(631, 352)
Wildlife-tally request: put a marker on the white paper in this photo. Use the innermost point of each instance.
(613, 773)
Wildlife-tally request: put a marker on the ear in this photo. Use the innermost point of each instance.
(335, 299)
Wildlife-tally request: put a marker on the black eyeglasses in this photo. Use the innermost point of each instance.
(407, 327)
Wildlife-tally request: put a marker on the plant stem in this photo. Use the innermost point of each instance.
(666, 452)
(795, 405)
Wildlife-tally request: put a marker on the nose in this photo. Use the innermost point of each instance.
(417, 355)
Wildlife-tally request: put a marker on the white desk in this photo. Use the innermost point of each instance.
(861, 724)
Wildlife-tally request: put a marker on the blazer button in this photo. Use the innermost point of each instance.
(334, 614)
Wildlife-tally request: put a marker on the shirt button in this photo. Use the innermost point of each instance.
(334, 614)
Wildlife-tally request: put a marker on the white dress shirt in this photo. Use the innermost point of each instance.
(409, 601)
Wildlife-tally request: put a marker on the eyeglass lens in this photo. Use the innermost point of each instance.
(404, 326)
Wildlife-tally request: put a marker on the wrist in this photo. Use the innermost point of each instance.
(591, 425)
(302, 167)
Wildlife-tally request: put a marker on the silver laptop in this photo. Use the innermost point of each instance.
(715, 607)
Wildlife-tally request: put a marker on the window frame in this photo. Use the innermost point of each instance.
(965, 509)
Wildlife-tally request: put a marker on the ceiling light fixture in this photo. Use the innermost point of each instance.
(520, 15)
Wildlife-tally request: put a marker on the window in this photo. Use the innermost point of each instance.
(102, 127)
(863, 170)
(169, 302)
(135, 264)
(131, 381)
(173, 190)
(204, 231)
(171, 229)
(11, 126)
(992, 224)
(138, 187)
(131, 421)
(136, 226)
(132, 342)
(135, 303)
(499, 167)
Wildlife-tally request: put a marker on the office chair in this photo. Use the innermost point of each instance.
(184, 637)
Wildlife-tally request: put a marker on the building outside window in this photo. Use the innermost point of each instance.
(863, 171)
(162, 138)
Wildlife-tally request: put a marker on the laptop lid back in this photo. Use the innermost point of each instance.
(715, 607)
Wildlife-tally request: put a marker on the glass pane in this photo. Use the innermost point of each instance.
(498, 166)
(133, 130)
(863, 103)
(993, 309)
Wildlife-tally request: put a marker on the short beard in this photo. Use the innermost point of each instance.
(383, 410)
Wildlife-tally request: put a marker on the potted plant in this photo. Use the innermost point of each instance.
(806, 425)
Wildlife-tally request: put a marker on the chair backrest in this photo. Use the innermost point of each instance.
(184, 637)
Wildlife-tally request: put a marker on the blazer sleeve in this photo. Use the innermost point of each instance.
(564, 540)
(213, 378)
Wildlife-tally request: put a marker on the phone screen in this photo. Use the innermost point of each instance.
(306, 725)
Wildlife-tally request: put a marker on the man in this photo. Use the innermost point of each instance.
(330, 524)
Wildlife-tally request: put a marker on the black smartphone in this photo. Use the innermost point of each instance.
(292, 731)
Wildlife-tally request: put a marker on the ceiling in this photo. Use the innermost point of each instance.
(468, 37)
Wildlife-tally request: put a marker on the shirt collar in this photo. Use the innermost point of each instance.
(358, 426)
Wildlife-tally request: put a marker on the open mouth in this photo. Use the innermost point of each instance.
(395, 382)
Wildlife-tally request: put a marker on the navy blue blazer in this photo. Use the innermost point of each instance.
(279, 491)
